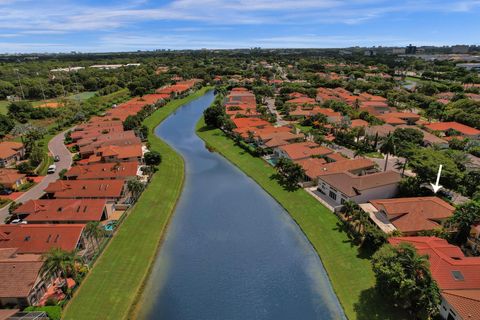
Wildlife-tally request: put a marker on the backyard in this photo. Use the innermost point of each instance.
(348, 267)
(113, 286)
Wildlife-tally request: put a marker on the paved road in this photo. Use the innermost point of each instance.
(271, 107)
(56, 147)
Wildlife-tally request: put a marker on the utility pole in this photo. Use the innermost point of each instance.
(20, 83)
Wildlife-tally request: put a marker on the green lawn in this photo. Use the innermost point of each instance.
(3, 106)
(82, 96)
(348, 267)
(113, 286)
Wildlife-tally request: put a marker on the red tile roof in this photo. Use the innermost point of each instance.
(250, 122)
(358, 123)
(95, 189)
(449, 266)
(120, 170)
(9, 176)
(62, 210)
(8, 149)
(40, 238)
(314, 170)
(414, 214)
(465, 302)
(18, 273)
(120, 152)
(301, 100)
(444, 126)
(302, 150)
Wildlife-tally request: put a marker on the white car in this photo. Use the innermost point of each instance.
(18, 221)
(51, 169)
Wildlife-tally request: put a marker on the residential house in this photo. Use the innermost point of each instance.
(63, 211)
(301, 150)
(103, 171)
(250, 122)
(11, 179)
(457, 276)
(408, 215)
(10, 153)
(112, 190)
(315, 167)
(445, 128)
(40, 238)
(20, 281)
(116, 154)
(345, 186)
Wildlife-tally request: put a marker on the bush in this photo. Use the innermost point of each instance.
(53, 312)
(152, 158)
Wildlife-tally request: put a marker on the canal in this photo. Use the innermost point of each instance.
(231, 251)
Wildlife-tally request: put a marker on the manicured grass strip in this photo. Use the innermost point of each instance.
(115, 281)
(348, 267)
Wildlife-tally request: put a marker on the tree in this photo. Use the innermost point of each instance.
(36, 155)
(405, 138)
(152, 158)
(289, 173)
(94, 230)
(388, 147)
(131, 123)
(464, 217)
(471, 182)
(404, 276)
(135, 186)
(214, 116)
(6, 124)
(58, 262)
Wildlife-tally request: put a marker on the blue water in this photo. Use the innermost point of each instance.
(231, 251)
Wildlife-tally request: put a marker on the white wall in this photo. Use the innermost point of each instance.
(446, 309)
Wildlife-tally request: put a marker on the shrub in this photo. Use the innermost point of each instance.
(53, 312)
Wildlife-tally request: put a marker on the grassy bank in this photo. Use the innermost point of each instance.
(348, 267)
(114, 284)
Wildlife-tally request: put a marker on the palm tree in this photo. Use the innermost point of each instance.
(58, 262)
(349, 209)
(388, 147)
(94, 230)
(135, 186)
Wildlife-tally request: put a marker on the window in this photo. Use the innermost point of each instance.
(333, 195)
(342, 200)
(457, 275)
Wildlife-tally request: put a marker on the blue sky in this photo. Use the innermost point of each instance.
(107, 25)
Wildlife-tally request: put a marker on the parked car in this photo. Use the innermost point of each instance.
(51, 169)
(56, 158)
(5, 191)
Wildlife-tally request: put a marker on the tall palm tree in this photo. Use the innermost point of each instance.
(94, 230)
(135, 186)
(58, 262)
(388, 147)
(349, 208)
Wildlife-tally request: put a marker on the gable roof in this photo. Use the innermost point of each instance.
(86, 188)
(465, 302)
(316, 169)
(10, 176)
(119, 170)
(9, 148)
(40, 238)
(416, 213)
(352, 185)
(49, 210)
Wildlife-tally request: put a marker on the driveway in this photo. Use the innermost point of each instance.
(56, 148)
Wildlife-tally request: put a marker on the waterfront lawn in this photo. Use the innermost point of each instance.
(348, 267)
(113, 286)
